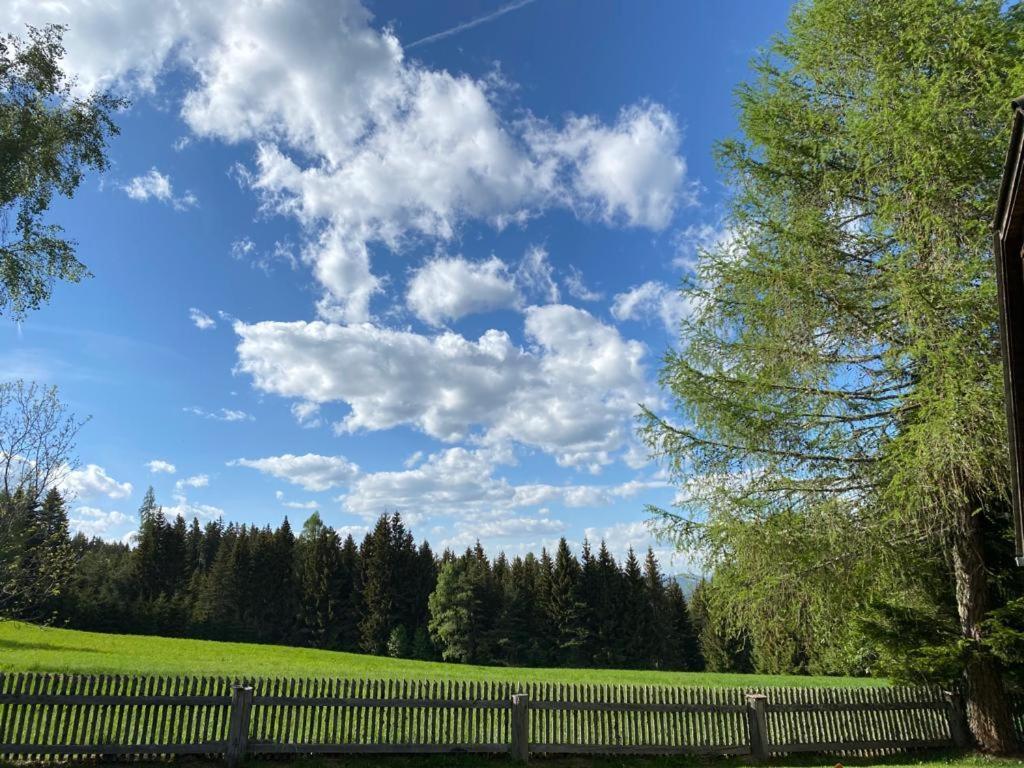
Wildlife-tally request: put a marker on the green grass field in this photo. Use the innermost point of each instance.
(30, 648)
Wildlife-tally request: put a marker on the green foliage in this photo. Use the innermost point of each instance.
(838, 389)
(398, 643)
(49, 137)
(452, 606)
(36, 557)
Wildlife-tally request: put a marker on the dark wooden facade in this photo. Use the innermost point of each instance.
(1009, 257)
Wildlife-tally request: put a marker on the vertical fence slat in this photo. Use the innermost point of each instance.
(159, 714)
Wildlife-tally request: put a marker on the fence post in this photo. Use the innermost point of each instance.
(757, 724)
(958, 728)
(520, 748)
(238, 724)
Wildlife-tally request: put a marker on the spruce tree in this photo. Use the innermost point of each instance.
(319, 574)
(683, 651)
(377, 560)
(635, 615)
(566, 608)
(659, 627)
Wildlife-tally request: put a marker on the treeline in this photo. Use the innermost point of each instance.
(385, 595)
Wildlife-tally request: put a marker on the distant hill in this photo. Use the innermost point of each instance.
(687, 581)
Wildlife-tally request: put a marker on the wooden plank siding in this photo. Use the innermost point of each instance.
(45, 716)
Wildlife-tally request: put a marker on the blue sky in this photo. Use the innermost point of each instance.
(357, 257)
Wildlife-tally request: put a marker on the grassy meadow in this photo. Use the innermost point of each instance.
(31, 648)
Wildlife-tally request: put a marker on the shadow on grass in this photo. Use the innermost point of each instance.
(15, 645)
(933, 758)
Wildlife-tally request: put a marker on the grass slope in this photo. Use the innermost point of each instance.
(26, 647)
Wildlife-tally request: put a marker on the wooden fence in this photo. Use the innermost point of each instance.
(50, 716)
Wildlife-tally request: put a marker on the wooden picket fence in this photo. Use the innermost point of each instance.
(46, 716)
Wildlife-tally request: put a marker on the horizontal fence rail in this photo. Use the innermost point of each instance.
(69, 716)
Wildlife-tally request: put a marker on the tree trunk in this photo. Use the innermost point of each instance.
(988, 709)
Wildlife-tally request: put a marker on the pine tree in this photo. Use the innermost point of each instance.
(46, 560)
(319, 574)
(683, 651)
(350, 596)
(566, 609)
(655, 647)
(609, 604)
(635, 615)
(377, 561)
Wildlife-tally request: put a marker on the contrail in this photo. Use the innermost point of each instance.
(513, 6)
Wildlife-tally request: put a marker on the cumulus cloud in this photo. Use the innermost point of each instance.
(638, 536)
(360, 144)
(496, 532)
(195, 481)
(154, 185)
(462, 483)
(94, 522)
(222, 414)
(310, 471)
(629, 172)
(186, 509)
(156, 466)
(572, 394)
(201, 320)
(652, 299)
(93, 482)
(446, 289)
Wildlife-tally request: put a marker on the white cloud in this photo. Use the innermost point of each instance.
(357, 142)
(244, 249)
(629, 172)
(461, 483)
(535, 275)
(446, 289)
(493, 533)
(154, 185)
(279, 495)
(307, 414)
(156, 466)
(620, 537)
(92, 521)
(573, 394)
(578, 288)
(92, 482)
(311, 471)
(697, 238)
(222, 414)
(186, 509)
(201, 320)
(195, 481)
(652, 299)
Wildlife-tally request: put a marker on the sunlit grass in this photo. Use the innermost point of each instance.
(30, 648)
